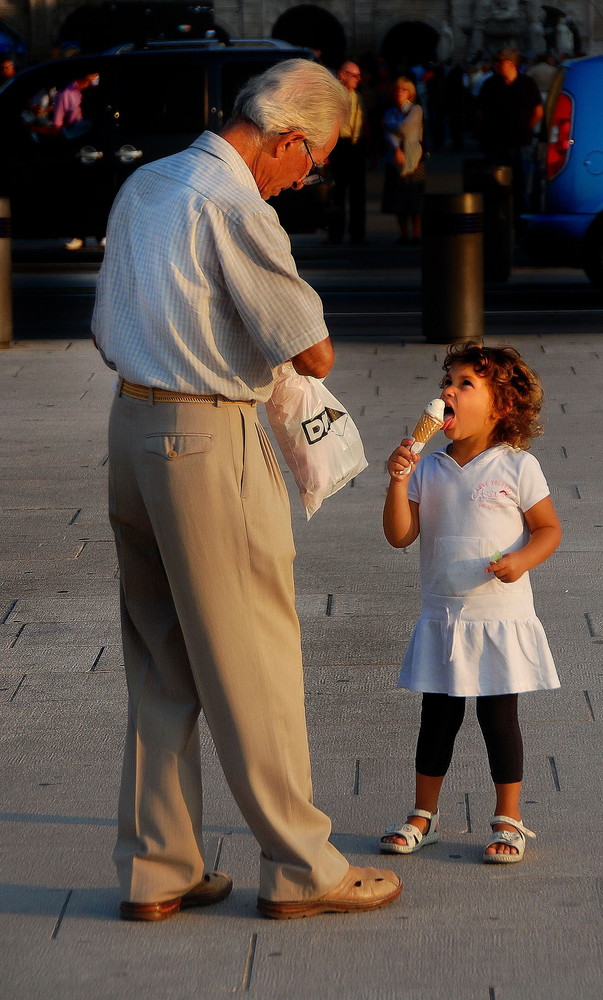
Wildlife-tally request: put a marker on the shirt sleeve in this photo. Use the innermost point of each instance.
(412, 127)
(412, 133)
(282, 313)
(532, 485)
(416, 482)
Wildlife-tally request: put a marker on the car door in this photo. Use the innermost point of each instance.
(58, 180)
(159, 108)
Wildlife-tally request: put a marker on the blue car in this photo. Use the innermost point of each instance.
(569, 230)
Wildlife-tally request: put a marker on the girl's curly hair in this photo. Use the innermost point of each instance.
(516, 389)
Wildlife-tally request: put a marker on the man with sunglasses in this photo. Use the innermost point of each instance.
(198, 300)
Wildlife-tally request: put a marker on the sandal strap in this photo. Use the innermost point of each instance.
(405, 830)
(409, 829)
(423, 813)
(517, 823)
(506, 837)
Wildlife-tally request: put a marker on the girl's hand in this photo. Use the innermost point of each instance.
(402, 460)
(508, 568)
(545, 535)
(399, 157)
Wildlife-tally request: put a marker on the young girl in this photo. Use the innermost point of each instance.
(483, 510)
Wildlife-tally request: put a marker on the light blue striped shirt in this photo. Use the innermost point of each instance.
(198, 291)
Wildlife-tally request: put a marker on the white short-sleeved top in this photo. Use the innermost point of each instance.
(198, 291)
(476, 635)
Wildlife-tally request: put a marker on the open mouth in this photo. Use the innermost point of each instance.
(448, 416)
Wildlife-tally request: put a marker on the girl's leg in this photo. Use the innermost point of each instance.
(497, 716)
(441, 718)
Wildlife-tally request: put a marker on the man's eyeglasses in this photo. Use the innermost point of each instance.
(315, 177)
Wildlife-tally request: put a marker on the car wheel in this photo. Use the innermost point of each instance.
(593, 252)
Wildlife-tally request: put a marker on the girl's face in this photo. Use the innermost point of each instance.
(470, 404)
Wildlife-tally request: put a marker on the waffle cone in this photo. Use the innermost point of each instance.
(426, 427)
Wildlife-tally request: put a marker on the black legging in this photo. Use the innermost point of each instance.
(441, 718)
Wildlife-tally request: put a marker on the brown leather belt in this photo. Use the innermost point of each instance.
(152, 395)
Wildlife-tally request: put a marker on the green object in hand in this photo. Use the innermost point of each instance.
(496, 557)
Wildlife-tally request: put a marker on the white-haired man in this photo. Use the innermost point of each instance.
(198, 299)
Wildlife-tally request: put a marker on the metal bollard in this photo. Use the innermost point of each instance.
(6, 296)
(453, 267)
(496, 185)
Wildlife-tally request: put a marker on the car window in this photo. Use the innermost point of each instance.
(554, 94)
(49, 104)
(167, 96)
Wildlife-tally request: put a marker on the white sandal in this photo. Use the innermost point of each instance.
(411, 833)
(513, 839)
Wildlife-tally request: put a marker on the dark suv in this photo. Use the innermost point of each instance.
(143, 104)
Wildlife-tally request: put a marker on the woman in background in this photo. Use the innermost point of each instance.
(404, 160)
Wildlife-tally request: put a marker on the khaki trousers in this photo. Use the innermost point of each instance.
(202, 527)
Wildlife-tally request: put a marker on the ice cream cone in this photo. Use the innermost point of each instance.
(426, 427)
(430, 421)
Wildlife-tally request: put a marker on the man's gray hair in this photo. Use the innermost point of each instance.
(294, 94)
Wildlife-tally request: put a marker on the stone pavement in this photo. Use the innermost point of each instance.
(461, 930)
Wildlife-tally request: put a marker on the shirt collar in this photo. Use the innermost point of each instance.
(442, 455)
(216, 146)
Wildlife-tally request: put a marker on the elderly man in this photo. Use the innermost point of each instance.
(348, 164)
(198, 299)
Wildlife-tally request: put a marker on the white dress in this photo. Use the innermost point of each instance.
(476, 635)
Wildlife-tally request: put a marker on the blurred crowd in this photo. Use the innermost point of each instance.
(400, 115)
(492, 103)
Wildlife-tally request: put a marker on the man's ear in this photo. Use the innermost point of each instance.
(284, 142)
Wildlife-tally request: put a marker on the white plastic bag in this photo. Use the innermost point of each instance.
(317, 436)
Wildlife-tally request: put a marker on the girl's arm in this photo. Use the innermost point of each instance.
(545, 535)
(400, 515)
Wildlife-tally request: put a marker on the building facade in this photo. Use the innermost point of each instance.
(397, 29)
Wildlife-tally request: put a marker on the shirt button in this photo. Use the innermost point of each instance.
(172, 454)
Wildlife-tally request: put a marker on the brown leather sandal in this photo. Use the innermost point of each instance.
(214, 887)
(361, 889)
